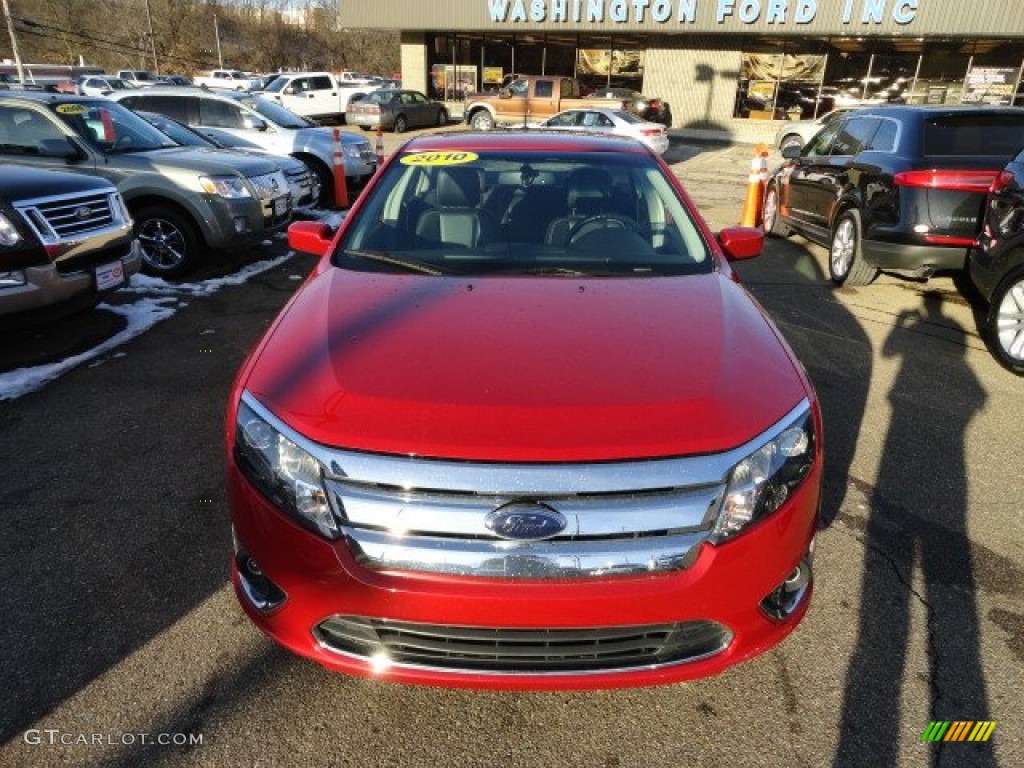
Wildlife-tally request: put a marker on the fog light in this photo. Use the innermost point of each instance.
(788, 596)
(241, 224)
(12, 278)
(262, 593)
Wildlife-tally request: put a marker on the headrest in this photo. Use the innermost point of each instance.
(594, 184)
(459, 187)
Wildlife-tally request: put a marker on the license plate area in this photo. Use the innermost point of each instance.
(109, 276)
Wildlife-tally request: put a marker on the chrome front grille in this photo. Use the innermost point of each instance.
(442, 532)
(521, 651)
(270, 185)
(68, 217)
(409, 514)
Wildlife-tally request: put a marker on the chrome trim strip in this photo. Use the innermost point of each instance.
(498, 558)
(383, 666)
(526, 479)
(401, 512)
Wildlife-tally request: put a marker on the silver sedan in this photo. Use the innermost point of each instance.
(617, 122)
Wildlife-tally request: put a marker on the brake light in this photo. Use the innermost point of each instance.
(652, 131)
(944, 178)
(1001, 182)
(655, 104)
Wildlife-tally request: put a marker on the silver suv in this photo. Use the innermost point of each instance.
(259, 122)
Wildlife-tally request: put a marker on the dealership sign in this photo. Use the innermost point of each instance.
(774, 12)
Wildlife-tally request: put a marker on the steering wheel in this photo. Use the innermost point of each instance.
(601, 221)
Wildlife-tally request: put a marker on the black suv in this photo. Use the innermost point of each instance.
(65, 242)
(997, 265)
(898, 188)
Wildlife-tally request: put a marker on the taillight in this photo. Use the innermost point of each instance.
(651, 131)
(655, 104)
(1001, 182)
(944, 178)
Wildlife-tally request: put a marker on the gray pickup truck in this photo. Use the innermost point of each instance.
(65, 242)
(184, 201)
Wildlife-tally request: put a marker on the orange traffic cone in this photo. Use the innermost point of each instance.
(380, 144)
(755, 187)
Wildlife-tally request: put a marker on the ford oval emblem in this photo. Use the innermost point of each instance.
(83, 212)
(525, 521)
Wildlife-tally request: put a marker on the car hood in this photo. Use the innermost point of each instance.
(201, 159)
(526, 368)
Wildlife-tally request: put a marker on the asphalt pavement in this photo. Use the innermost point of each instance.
(121, 630)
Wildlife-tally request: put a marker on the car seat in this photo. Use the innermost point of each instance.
(589, 194)
(457, 218)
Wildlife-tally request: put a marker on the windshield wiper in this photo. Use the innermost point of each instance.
(412, 265)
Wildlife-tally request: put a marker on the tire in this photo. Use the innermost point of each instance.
(791, 140)
(442, 118)
(401, 124)
(666, 119)
(325, 177)
(168, 239)
(481, 120)
(845, 256)
(772, 223)
(1005, 322)
(365, 127)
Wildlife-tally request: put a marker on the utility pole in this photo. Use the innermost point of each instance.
(152, 38)
(216, 32)
(14, 42)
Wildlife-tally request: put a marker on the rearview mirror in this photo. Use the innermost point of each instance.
(741, 242)
(310, 237)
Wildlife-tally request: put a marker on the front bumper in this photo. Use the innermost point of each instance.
(49, 293)
(724, 586)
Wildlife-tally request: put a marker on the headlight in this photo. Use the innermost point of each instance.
(225, 186)
(356, 150)
(762, 482)
(286, 474)
(8, 234)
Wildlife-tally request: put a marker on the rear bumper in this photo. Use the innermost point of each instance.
(912, 257)
(725, 584)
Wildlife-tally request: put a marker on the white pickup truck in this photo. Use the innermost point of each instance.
(226, 78)
(316, 95)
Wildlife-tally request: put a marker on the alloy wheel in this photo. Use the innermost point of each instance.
(844, 244)
(1009, 322)
(164, 246)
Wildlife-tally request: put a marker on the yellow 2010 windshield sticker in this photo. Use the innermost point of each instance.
(72, 109)
(439, 158)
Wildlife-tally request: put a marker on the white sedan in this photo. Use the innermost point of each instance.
(612, 121)
(101, 85)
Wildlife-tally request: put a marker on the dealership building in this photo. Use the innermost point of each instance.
(727, 67)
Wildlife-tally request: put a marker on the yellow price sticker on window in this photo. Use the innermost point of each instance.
(72, 109)
(439, 158)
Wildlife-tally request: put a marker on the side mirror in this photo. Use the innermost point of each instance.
(791, 152)
(289, 91)
(741, 242)
(251, 123)
(504, 93)
(310, 237)
(64, 148)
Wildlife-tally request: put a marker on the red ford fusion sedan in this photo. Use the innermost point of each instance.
(522, 428)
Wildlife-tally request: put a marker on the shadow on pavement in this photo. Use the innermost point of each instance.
(928, 546)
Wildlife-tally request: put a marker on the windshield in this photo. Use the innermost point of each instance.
(275, 113)
(558, 213)
(379, 97)
(111, 128)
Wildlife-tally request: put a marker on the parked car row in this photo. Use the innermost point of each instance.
(200, 172)
(915, 190)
